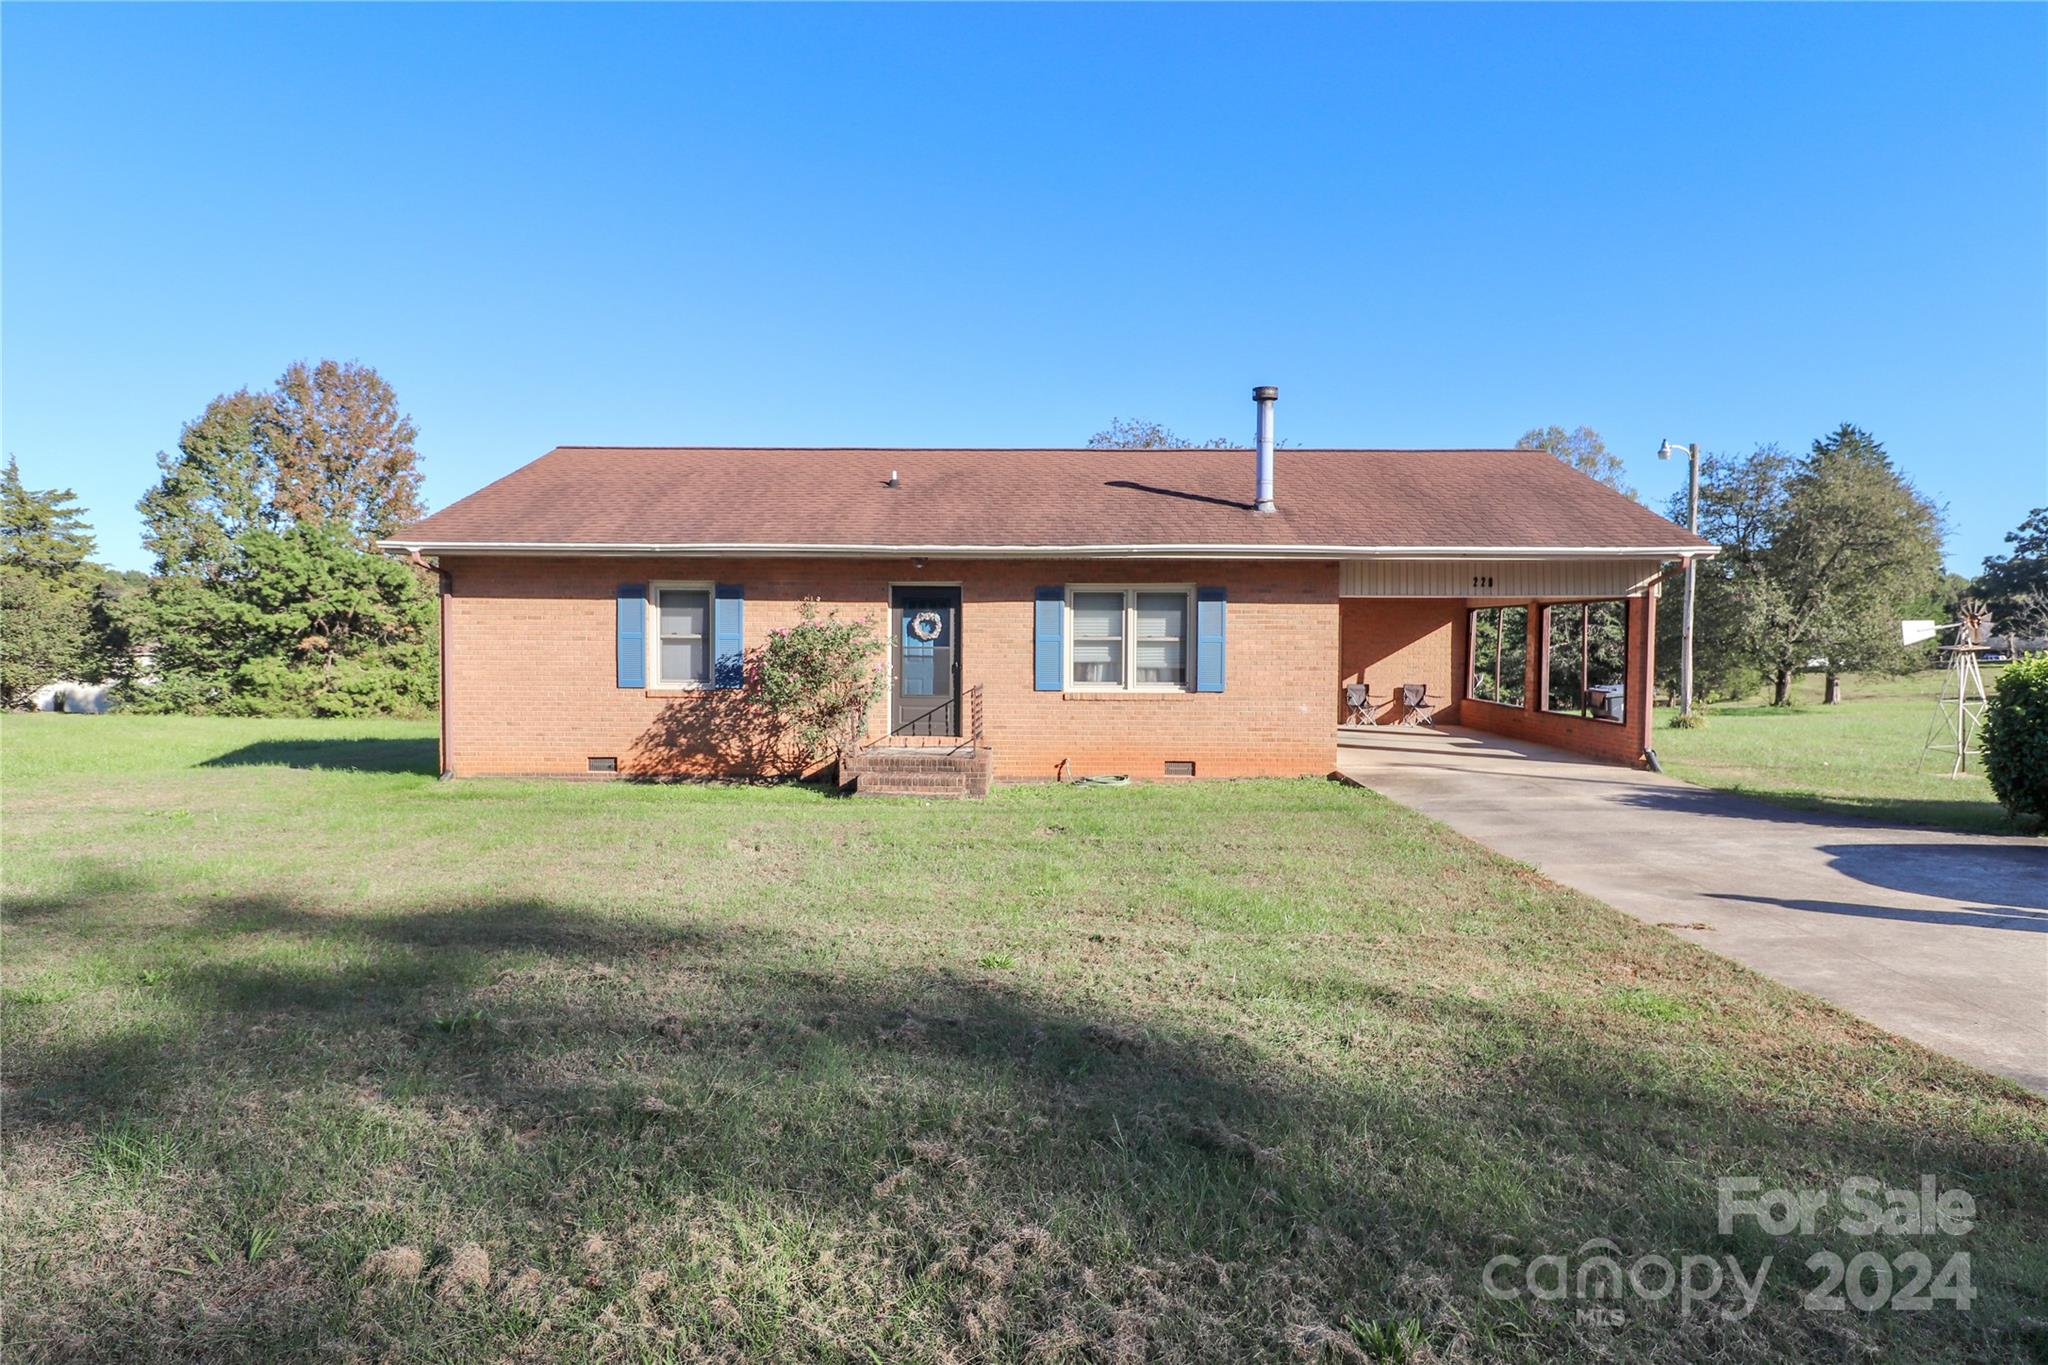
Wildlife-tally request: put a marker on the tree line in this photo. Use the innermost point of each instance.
(1822, 555)
(267, 596)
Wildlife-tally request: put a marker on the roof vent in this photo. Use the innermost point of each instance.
(893, 481)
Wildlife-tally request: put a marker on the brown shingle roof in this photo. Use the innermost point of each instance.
(1031, 500)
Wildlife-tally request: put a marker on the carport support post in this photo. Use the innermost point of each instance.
(1692, 568)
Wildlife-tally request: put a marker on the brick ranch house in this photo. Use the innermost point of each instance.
(1049, 612)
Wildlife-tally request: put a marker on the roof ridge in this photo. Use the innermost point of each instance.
(654, 496)
(1072, 450)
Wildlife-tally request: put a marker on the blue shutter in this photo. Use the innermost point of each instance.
(632, 635)
(1049, 657)
(1209, 604)
(729, 660)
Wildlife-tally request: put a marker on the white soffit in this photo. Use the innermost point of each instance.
(1495, 577)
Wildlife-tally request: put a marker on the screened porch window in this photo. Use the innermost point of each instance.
(1500, 655)
(1586, 651)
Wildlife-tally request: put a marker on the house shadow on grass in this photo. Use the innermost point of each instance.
(949, 1162)
(348, 755)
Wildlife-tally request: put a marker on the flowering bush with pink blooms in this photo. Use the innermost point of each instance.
(820, 678)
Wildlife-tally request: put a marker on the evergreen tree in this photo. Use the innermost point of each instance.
(304, 623)
(1858, 545)
(46, 581)
(2015, 585)
(42, 530)
(43, 633)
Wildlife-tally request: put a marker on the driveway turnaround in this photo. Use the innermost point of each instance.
(1941, 937)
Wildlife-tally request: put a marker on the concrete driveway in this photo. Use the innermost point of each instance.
(1940, 937)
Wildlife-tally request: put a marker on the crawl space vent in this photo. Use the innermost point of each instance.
(604, 765)
(1180, 767)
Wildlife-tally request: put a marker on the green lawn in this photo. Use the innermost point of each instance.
(1865, 756)
(310, 1056)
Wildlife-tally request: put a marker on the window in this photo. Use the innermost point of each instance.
(1500, 655)
(682, 644)
(1586, 653)
(1132, 639)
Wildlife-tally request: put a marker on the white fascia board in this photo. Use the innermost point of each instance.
(701, 550)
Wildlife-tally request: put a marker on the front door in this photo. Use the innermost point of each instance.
(924, 661)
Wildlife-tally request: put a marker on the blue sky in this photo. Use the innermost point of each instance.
(1005, 226)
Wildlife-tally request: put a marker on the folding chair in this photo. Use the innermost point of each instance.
(1416, 707)
(1358, 698)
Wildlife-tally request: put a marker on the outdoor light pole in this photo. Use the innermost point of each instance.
(1692, 512)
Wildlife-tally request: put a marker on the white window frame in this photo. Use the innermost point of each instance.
(1130, 593)
(657, 683)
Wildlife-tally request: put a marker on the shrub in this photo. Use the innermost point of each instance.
(2015, 737)
(1696, 721)
(820, 678)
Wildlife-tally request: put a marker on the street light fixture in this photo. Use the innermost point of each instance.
(1691, 570)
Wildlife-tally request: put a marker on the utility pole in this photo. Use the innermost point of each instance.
(1692, 569)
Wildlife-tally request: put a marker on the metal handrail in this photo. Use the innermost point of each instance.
(969, 740)
(904, 728)
(973, 740)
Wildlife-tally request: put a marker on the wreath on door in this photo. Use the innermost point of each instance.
(925, 626)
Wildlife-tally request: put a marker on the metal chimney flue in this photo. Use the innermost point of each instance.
(1265, 395)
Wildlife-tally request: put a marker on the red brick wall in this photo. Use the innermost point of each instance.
(1622, 743)
(1388, 641)
(530, 678)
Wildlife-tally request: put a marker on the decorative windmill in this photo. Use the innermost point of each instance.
(1960, 709)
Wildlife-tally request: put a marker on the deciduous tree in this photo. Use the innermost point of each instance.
(1583, 450)
(1139, 433)
(1743, 504)
(270, 599)
(340, 450)
(215, 487)
(1820, 558)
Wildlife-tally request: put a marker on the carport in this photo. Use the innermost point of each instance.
(1556, 649)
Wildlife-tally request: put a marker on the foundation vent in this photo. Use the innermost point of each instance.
(1180, 767)
(604, 765)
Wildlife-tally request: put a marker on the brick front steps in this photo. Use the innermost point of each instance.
(883, 770)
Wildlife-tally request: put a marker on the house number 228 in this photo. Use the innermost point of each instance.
(1482, 580)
